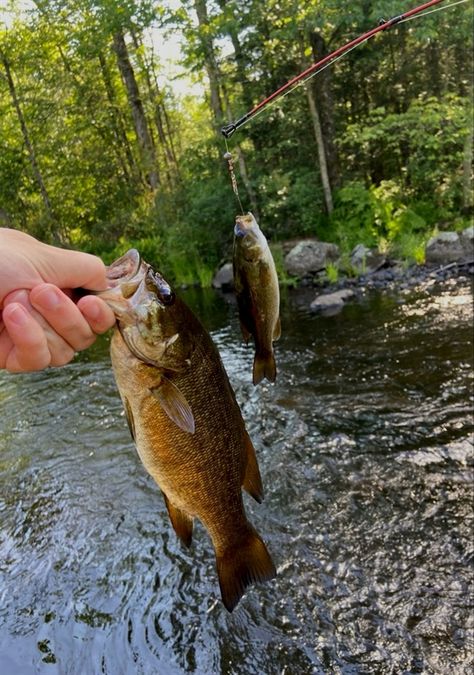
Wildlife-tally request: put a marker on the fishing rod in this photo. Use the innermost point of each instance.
(229, 129)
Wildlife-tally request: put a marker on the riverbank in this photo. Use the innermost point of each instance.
(331, 297)
(336, 278)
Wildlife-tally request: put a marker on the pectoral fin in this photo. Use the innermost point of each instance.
(182, 523)
(174, 404)
(129, 417)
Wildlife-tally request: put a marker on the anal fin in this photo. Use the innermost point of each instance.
(277, 330)
(252, 482)
(181, 522)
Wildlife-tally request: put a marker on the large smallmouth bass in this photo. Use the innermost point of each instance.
(185, 421)
(258, 294)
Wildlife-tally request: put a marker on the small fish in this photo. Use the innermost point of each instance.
(185, 421)
(258, 294)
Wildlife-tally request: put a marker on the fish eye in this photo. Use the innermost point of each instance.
(165, 294)
(157, 285)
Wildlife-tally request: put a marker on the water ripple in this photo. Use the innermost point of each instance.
(365, 446)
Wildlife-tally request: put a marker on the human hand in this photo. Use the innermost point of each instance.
(40, 325)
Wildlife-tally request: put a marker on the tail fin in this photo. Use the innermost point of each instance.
(264, 366)
(242, 565)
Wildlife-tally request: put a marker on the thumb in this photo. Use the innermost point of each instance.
(73, 269)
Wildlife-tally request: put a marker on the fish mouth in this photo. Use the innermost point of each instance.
(239, 231)
(124, 268)
(132, 285)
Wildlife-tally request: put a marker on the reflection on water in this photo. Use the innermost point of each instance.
(365, 447)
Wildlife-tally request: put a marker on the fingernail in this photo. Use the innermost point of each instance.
(17, 315)
(20, 297)
(48, 299)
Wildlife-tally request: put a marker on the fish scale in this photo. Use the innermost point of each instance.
(201, 473)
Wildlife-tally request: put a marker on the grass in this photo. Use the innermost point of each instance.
(332, 273)
(411, 247)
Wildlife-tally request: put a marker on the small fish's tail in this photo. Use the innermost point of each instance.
(264, 366)
(241, 565)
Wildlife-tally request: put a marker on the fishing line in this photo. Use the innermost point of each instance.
(432, 11)
(328, 60)
(310, 77)
(317, 68)
(228, 155)
(233, 179)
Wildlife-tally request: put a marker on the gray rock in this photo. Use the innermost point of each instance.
(224, 278)
(367, 259)
(444, 248)
(310, 256)
(331, 303)
(467, 242)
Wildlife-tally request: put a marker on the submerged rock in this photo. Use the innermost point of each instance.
(330, 304)
(445, 248)
(309, 257)
(224, 278)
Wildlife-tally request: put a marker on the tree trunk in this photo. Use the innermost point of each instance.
(318, 134)
(158, 112)
(467, 173)
(138, 113)
(57, 234)
(239, 59)
(326, 108)
(117, 121)
(212, 69)
(433, 67)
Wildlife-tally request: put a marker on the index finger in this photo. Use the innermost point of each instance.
(73, 269)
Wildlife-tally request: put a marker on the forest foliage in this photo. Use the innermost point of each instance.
(99, 153)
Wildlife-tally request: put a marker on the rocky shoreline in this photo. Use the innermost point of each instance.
(331, 297)
(448, 255)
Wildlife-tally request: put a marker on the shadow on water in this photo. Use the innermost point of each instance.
(365, 446)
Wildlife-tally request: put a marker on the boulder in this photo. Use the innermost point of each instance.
(445, 248)
(467, 242)
(331, 303)
(309, 257)
(366, 259)
(224, 278)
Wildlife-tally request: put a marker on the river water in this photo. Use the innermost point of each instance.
(365, 448)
